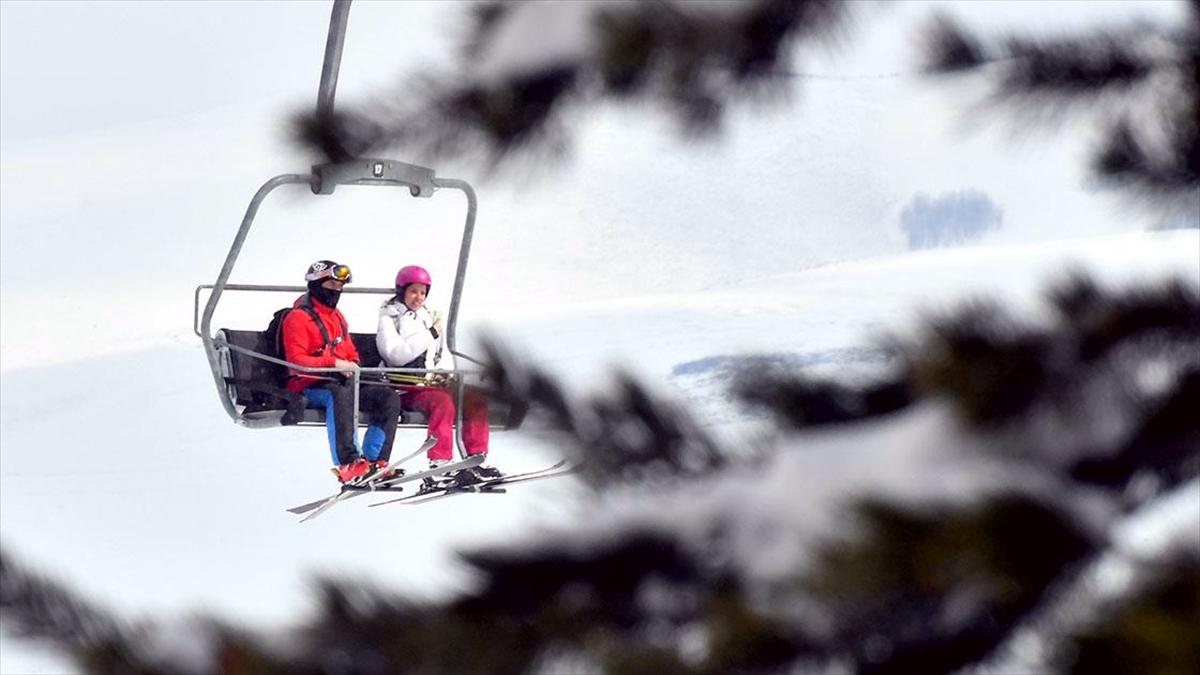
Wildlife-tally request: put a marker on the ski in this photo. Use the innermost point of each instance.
(489, 486)
(372, 481)
(388, 485)
(365, 484)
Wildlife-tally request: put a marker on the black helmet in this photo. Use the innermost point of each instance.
(322, 271)
(328, 269)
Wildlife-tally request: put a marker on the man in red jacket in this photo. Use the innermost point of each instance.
(317, 337)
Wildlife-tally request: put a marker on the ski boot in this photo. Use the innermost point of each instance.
(455, 479)
(486, 472)
(433, 483)
(382, 472)
(353, 472)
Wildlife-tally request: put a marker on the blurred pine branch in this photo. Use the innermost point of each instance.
(934, 581)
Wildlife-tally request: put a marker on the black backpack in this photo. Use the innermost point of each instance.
(268, 380)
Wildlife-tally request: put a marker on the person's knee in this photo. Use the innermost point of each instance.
(338, 395)
(476, 402)
(394, 405)
(437, 399)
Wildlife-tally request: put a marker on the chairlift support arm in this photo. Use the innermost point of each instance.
(323, 179)
(332, 64)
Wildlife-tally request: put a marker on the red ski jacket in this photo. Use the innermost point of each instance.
(304, 344)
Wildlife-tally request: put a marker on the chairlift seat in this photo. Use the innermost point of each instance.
(241, 386)
(238, 371)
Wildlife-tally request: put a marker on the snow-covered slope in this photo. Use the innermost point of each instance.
(120, 473)
(129, 463)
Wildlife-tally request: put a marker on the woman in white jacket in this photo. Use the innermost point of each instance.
(411, 336)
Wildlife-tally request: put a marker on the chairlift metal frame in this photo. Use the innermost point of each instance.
(420, 181)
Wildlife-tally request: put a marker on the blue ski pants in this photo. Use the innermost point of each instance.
(379, 406)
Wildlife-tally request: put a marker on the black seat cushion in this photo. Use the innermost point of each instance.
(253, 386)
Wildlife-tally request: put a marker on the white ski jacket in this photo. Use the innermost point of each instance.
(405, 335)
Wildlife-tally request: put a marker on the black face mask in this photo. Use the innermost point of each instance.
(325, 296)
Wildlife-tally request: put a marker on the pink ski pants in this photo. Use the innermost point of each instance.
(438, 405)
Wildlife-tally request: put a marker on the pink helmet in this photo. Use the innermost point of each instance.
(413, 274)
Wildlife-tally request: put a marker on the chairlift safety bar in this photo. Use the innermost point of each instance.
(420, 182)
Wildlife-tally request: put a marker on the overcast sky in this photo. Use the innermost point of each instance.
(178, 111)
(68, 66)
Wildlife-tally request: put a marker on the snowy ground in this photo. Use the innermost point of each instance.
(143, 494)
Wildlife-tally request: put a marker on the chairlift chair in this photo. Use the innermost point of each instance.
(231, 353)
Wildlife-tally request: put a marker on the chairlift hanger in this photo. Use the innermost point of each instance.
(227, 355)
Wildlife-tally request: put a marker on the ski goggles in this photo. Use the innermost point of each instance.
(336, 272)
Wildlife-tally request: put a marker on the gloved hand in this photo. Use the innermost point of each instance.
(436, 328)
